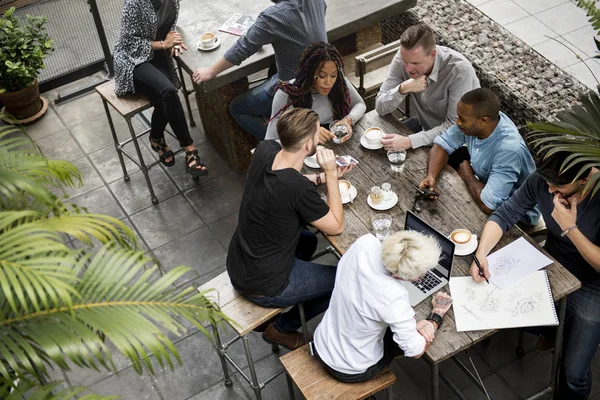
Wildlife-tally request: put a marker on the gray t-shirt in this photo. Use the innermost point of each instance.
(321, 105)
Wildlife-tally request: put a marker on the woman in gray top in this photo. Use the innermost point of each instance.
(317, 87)
(143, 64)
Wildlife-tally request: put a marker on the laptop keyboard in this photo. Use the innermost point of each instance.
(428, 282)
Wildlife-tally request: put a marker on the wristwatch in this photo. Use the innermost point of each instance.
(437, 318)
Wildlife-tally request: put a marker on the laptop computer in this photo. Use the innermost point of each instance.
(436, 278)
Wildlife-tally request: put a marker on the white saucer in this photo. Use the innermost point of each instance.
(353, 194)
(467, 250)
(366, 145)
(308, 161)
(384, 205)
(216, 44)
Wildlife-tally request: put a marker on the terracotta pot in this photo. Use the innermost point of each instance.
(24, 103)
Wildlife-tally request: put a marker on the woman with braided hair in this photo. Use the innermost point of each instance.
(321, 86)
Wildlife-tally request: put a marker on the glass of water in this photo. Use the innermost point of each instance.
(381, 225)
(339, 130)
(397, 158)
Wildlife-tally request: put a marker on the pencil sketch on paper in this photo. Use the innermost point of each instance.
(504, 264)
(468, 310)
(491, 303)
(470, 294)
(525, 304)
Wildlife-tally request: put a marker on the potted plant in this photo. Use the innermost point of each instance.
(23, 48)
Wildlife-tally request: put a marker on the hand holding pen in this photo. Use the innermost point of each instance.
(479, 269)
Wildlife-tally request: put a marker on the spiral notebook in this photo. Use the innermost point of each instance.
(482, 306)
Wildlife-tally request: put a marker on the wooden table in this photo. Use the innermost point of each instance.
(357, 20)
(454, 209)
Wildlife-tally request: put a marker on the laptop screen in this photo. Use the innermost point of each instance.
(415, 223)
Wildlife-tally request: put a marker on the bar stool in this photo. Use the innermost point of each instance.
(245, 316)
(128, 107)
(315, 383)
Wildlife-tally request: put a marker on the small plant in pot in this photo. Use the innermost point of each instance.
(23, 48)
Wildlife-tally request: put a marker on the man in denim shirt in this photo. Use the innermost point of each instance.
(289, 26)
(495, 161)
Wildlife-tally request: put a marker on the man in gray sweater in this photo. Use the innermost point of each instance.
(572, 216)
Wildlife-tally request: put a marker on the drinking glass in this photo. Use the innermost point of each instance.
(386, 190)
(381, 225)
(397, 158)
(339, 130)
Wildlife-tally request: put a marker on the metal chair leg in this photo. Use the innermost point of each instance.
(116, 140)
(303, 321)
(390, 393)
(142, 163)
(255, 384)
(520, 347)
(219, 348)
(290, 385)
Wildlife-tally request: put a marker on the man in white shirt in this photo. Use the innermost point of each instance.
(437, 77)
(369, 319)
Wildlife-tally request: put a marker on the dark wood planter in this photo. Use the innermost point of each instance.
(24, 103)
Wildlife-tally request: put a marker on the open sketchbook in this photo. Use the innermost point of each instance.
(482, 306)
(514, 262)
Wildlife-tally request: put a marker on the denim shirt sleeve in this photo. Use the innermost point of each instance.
(505, 170)
(517, 206)
(259, 34)
(451, 139)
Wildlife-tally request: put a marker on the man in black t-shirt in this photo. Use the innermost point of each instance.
(268, 257)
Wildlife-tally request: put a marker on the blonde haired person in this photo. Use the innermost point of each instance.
(369, 320)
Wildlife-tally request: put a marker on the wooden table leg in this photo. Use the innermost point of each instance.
(222, 131)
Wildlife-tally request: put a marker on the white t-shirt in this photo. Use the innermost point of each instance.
(366, 300)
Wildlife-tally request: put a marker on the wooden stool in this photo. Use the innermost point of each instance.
(315, 383)
(128, 107)
(245, 316)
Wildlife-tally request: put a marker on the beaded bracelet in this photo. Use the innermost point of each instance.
(566, 231)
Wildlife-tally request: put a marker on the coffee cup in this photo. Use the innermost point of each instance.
(373, 136)
(345, 186)
(207, 39)
(462, 239)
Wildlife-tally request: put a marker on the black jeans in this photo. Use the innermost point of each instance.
(390, 351)
(152, 79)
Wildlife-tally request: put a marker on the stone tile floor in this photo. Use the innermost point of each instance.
(193, 223)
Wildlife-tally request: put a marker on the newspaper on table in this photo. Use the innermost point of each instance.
(238, 24)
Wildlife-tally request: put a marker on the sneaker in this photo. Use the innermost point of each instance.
(290, 341)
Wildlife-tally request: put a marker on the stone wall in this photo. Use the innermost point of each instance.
(530, 87)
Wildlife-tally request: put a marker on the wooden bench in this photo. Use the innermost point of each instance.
(128, 107)
(315, 383)
(245, 316)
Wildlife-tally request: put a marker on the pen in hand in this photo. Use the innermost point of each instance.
(481, 273)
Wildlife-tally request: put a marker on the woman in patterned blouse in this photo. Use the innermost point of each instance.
(143, 64)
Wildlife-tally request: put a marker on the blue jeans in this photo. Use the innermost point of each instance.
(252, 110)
(309, 283)
(581, 340)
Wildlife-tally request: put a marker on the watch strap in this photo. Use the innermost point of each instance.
(437, 318)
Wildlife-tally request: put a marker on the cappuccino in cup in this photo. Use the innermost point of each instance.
(207, 39)
(373, 136)
(461, 236)
(344, 186)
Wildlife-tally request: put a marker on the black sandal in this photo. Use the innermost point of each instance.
(163, 152)
(194, 165)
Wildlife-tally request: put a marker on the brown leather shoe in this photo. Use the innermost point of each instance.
(290, 341)
(263, 327)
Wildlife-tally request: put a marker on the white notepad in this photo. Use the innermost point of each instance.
(483, 306)
(514, 262)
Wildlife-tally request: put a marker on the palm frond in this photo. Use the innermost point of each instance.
(22, 386)
(25, 174)
(120, 300)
